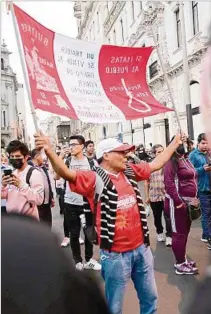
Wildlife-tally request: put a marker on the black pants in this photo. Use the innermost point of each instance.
(72, 213)
(158, 210)
(60, 192)
(65, 223)
(45, 214)
(3, 210)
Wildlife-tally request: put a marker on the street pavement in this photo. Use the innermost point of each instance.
(175, 292)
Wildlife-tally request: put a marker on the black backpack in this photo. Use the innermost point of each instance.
(68, 161)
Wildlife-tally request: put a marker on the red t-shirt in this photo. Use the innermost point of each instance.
(128, 232)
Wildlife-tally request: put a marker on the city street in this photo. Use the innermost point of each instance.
(174, 291)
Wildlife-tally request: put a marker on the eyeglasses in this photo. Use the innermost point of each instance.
(73, 145)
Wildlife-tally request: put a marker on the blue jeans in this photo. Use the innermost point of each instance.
(118, 268)
(205, 200)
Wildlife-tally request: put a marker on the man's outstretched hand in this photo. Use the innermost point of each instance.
(42, 142)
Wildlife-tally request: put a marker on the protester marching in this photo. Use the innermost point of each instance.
(108, 210)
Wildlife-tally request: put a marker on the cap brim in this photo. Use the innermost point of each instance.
(124, 148)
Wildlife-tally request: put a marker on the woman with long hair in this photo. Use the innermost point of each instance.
(180, 179)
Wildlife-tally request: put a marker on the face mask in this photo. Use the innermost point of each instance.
(180, 150)
(16, 163)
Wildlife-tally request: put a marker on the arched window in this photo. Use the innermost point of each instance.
(104, 132)
(2, 64)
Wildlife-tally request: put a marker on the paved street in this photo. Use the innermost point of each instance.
(174, 291)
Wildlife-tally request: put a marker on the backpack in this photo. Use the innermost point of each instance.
(68, 161)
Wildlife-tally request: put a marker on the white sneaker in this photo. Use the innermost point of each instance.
(79, 266)
(81, 241)
(65, 242)
(161, 237)
(168, 241)
(92, 264)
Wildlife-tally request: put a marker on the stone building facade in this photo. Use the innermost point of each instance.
(128, 23)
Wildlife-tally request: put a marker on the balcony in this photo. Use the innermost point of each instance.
(77, 10)
(5, 130)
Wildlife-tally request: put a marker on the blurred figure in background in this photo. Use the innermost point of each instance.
(155, 196)
(4, 165)
(44, 209)
(201, 160)
(90, 149)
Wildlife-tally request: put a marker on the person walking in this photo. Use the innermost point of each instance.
(155, 196)
(22, 195)
(180, 179)
(201, 160)
(44, 209)
(74, 206)
(4, 166)
(120, 217)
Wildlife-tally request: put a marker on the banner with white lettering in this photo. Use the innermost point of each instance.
(82, 80)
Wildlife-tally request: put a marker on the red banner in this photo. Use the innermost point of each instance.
(83, 80)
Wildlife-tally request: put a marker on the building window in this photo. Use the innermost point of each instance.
(178, 28)
(132, 11)
(153, 69)
(93, 29)
(195, 17)
(104, 132)
(2, 64)
(4, 122)
(141, 5)
(122, 30)
(114, 36)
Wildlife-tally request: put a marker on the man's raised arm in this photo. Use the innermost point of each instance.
(43, 142)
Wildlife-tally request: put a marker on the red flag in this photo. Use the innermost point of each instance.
(86, 81)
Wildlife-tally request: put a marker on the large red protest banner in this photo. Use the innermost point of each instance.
(82, 80)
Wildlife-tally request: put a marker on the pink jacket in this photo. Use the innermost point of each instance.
(25, 200)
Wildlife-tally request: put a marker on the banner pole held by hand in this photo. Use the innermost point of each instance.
(33, 112)
(166, 79)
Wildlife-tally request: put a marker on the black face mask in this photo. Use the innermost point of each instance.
(16, 163)
(180, 150)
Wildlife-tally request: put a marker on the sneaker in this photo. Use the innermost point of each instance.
(191, 264)
(160, 237)
(209, 244)
(204, 240)
(168, 242)
(185, 269)
(65, 242)
(79, 266)
(81, 241)
(92, 264)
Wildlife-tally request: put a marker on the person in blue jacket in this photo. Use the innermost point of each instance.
(201, 160)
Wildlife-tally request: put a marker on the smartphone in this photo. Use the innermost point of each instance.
(7, 172)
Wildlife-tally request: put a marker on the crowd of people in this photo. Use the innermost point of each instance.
(100, 200)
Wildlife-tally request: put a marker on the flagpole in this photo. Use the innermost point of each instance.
(19, 43)
(166, 78)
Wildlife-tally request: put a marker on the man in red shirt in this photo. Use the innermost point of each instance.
(121, 219)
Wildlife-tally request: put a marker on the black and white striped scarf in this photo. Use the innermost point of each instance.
(109, 198)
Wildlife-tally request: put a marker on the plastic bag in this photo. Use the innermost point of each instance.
(147, 210)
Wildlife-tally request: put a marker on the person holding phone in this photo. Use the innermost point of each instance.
(22, 196)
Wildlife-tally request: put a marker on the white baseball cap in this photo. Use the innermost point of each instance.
(111, 144)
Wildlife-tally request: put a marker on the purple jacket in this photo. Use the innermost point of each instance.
(180, 182)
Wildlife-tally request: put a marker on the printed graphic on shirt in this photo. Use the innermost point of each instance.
(127, 213)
